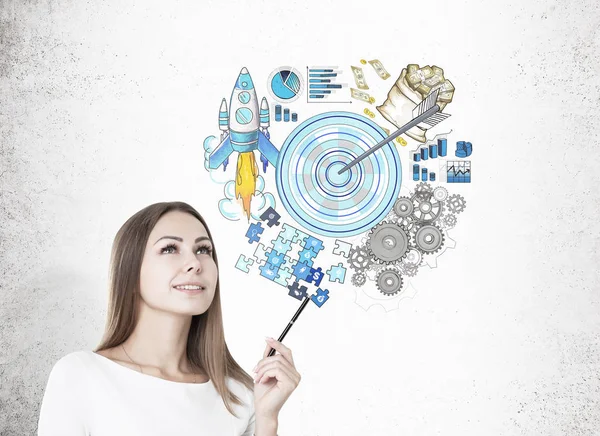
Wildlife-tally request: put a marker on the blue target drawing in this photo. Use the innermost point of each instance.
(331, 204)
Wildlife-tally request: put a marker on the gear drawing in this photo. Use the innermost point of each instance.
(413, 257)
(426, 210)
(449, 221)
(431, 259)
(424, 189)
(428, 238)
(408, 269)
(440, 193)
(388, 242)
(389, 281)
(359, 258)
(456, 203)
(359, 279)
(403, 207)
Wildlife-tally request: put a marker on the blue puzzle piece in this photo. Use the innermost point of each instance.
(253, 233)
(276, 259)
(301, 271)
(298, 292)
(300, 237)
(283, 277)
(268, 271)
(337, 273)
(243, 263)
(315, 277)
(306, 256)
(260, 254)
(271, 217)
(288, 233)
(313, 244)
(281, 246)
(321, 297)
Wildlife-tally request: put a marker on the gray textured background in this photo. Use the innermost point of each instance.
(103, 106)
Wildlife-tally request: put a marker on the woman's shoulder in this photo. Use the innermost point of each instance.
(73, 361)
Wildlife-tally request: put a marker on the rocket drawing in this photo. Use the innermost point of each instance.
(245, 128)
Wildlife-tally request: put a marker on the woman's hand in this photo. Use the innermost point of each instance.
(275, 380)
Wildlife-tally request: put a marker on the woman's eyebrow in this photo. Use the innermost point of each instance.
(177, 238)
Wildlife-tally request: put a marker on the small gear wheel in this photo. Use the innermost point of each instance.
(424, 187)
(403, 207)
(389, 281)
(440, 193)
(359, 258)
(388, 242)
(413, 257)
(426, 210)
(359, 279)
(456, 203)
(409, 269)
(428, 238)
(407, 222)
(449, 221)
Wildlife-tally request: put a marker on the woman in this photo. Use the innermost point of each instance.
(163, 367)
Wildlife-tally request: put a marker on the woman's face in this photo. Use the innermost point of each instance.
(178, 253)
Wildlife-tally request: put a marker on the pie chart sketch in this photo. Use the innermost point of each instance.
(285, 84)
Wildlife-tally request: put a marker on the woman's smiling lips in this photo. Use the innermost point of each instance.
(190, 288)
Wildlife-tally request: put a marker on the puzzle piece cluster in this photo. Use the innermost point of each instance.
(276, 262)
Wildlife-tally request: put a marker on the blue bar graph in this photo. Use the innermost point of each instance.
(286, 115)
(424, 153)
(294, 117)
(416, 157)
(423, 174)
(433, 151)
(277, 112)
(316, 91)
(432, 177)
(319, 80)
(416, 172)
(332, 86)
(323, 75)
(442, 147)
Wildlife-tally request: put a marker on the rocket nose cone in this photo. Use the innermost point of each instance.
(244, 71)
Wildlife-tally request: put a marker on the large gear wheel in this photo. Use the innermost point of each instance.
(388, 242)
(426, 210)
(403, 207)
(359, 258)
(389, 281)
(428, 238)
(359, 279)
(456, 203)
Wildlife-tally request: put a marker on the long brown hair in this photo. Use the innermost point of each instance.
(206, 348)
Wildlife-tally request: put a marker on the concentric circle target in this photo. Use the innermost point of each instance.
(331, 204)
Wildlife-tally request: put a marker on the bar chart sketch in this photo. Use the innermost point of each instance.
(323, 84)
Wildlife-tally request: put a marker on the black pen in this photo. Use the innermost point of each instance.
(291, 323)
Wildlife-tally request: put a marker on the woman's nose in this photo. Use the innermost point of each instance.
(194, 265)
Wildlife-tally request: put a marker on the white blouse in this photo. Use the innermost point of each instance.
(90, 395)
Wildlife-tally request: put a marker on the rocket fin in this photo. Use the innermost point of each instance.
(267, 148)
(221, 153)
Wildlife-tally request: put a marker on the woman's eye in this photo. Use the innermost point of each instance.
(206, 250)
(169, 249)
